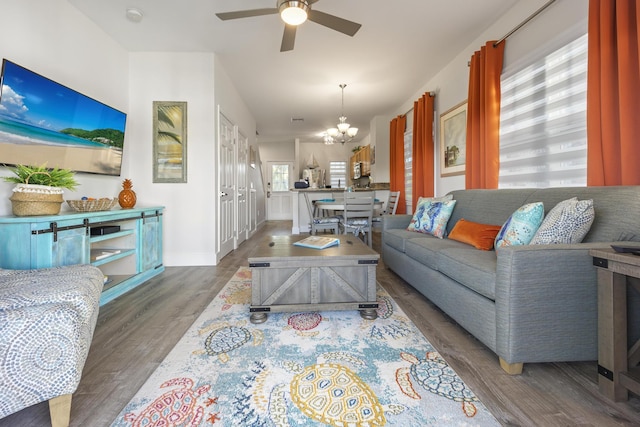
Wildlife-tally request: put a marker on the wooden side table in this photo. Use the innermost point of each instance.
(618, 372)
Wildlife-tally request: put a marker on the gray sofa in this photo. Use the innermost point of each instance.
(533, 303)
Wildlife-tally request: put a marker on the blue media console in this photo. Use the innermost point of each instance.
(128, 255)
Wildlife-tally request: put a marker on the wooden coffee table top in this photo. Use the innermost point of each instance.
(351, 247)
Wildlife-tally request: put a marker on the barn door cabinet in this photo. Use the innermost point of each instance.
(128, 253)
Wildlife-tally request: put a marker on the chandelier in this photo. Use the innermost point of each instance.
(343, 131)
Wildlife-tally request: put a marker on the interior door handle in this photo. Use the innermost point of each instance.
(222, 194)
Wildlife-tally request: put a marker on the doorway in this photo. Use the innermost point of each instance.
(279, 178)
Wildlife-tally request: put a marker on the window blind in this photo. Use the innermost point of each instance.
(543, 128)
(408, 169)
(338, 174)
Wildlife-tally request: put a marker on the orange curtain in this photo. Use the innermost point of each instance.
(396, 160)
(613, 93)
(423, 150)
(483, 117)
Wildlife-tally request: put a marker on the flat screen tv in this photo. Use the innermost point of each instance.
(44, 122)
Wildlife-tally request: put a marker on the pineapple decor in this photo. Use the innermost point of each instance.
(127, 197)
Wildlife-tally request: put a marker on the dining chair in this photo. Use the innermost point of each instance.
(390, 207)
(358, 214)
(319, 222)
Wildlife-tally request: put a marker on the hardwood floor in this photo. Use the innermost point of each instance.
(136, 331)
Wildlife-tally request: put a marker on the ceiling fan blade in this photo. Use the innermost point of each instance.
(246, 13)
(288, 38)
(349, 28)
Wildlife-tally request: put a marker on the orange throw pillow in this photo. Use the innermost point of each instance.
(481, 236)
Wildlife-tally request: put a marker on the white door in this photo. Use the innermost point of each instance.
(241, 183)
(226, 189)
(279, 198)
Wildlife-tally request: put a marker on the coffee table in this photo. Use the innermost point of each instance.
(288, 278)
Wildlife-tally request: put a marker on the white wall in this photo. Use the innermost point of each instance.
(323, 154)
(451, 83)
(380, 128)
(52, 38)
(190, 216)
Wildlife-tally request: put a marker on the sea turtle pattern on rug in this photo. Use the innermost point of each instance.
(303, 323)
(329, 368)
(434, 374)
(178, 406)
(327, 391)
(225, 337)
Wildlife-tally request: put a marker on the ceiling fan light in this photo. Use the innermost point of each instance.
(293, 12)
(351, 132)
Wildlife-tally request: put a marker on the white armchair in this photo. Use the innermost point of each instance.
(47, 319)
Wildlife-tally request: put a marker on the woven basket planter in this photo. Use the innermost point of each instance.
(32, 200)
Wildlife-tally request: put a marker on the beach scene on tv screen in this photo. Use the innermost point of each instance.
(44, 122)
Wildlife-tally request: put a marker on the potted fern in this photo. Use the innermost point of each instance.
(38, 189)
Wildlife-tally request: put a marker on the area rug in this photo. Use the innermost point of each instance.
(302, 369)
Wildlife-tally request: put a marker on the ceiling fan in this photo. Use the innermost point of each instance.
(294, 13)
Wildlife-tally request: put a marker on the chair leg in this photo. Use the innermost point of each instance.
(60, 410)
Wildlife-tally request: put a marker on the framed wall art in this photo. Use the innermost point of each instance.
(453, 145)
(169, 141)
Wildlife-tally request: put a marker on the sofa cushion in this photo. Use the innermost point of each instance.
(422, 205)
(480, 236)
(568, 222)
(434, 218)
(470, 267)
(521, 226)
(396, 238)
(425, 250)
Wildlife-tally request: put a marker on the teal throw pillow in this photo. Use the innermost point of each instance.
(521, 226)
(434, 218)
(568, 222)
(423, 203)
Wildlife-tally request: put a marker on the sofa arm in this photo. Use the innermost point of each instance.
(390, 222)
(546, 303)
(47, 319)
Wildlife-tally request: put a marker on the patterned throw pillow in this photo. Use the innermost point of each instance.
(568, 222)
(434, 218)
(521, 225)
(423, 203)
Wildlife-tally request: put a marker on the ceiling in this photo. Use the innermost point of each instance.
(401, 45)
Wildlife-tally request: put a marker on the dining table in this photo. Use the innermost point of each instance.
(338, 204)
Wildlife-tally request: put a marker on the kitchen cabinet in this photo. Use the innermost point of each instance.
(362, 156)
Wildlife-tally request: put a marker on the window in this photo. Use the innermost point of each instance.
(408, 172)
(280, 177)
(543, 124)
(338, 174)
